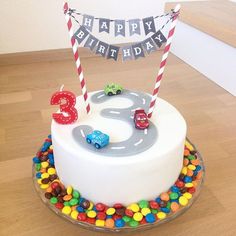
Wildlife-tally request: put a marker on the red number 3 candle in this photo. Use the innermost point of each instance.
(67, 100)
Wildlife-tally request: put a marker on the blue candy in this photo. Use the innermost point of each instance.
(165, 209)
(158, 199)
(198, 168)
(175, 189)
(80, 209)
(150, 218)
(119, 223)
(109, 217)
(50, 136)
(36, 160)
(38, 175)
(187, 179)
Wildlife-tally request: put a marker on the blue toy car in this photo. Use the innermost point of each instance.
(98, 139)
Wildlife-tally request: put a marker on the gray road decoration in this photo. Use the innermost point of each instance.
(139, 141)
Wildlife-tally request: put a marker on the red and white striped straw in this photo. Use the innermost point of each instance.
(163, 60)
(75, 48)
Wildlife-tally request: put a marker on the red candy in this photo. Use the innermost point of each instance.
(153, 204)
(91, 220)
(101, 215)
(179, 184)
(54, 185)
(191, 190)
(59, 205)
(82, 216)
(100, 207)
(68, 107)
(129, 212)
(143, 221)
(118, 206)
(116, 217)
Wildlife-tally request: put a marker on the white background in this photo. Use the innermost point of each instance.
(33, 25)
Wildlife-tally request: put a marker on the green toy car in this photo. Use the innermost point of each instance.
(113, 89)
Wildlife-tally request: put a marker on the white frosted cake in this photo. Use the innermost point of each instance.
(137, 164)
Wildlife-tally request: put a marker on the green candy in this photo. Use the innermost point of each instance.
(143, 204)
(66, 203)
(38, 166)
(174, 196)
(126, 219)
(168, 205)
(154, 211)
(73, 202)
(133, 223)
(191, 157)
(53, 200)
(75, 194)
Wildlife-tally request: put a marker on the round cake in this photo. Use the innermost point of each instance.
(136, 164)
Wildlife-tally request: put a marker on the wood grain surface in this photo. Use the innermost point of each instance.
(216, 18)
(25, 116)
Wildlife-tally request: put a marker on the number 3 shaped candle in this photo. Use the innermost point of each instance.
(67, 100)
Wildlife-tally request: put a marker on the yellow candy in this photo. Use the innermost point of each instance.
(91, 206)
(44, 175)
(189, 185)
(51, 147)
(66, 210)
(91, 214)
(69, 190)
(191, 167)
(145, 211)
(74, 214)
(51, 171)
(110, 211)
(44, 186)
(187, 195)
(183, 201)
(39, 181)
(133, 207)
(184, 170)
(44, 164)
(161, 215)
(189, 146)
(138, 216)
(100, 223)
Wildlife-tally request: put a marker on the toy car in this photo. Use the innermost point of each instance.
(113, 89)
(141, 119)
(98, 139)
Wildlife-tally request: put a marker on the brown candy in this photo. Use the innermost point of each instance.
(183, 190)
(162, 204)
(45, 181)
(48, 195)
(85, 204)
(120, 211)
(60, 199)
(57, 189)
(53, 177)
(63, 193)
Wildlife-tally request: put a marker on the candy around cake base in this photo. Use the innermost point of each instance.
(69, 203)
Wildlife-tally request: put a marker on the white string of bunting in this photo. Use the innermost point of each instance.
(129, 52)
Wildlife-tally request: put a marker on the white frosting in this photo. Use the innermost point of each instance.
(125, 179)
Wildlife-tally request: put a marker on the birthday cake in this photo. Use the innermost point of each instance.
(111, 161)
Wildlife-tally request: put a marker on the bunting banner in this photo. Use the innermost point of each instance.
(133, 26)
(129, 52)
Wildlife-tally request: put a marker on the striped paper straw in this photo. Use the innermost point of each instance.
(75, 48)
(163, 61)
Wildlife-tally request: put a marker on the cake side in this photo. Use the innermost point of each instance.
(123, 178)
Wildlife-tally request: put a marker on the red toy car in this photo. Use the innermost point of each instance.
(141, 119)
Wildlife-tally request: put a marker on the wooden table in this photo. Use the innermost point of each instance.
(25, 114)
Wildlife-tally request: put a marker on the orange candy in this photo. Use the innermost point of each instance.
(49, 190)
(186, 152)
(174, 206)
(186, 161)
(189, 172)
(43, 170)
(109, 223)
(199, 175)
(195, 162)
(164, 197)
(67, 197)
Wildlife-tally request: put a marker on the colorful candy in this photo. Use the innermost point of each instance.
(70, 202)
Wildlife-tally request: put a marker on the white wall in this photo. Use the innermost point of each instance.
(31, 25)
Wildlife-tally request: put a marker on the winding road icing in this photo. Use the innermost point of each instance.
(139, 141)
